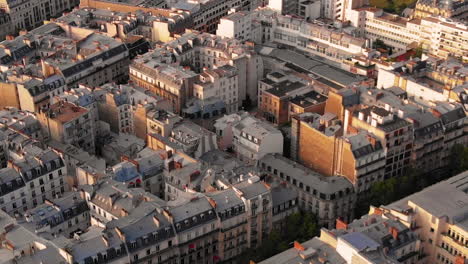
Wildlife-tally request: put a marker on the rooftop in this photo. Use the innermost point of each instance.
(314, 251)
(325, 185)
(65, 112)
(283, 88)
(309, 99)
(453, 204)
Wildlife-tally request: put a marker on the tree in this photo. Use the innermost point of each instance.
(418, 52)
(300, 226)
(458, 159)
(393, 189)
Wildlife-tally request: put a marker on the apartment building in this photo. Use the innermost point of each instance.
(374, 238)
(11, 142)
(150, 165)
(284, 7)
(199, 15)
(275, 93)
(129, 224)
(321, 143)
(75, 158)
(440, 223)
(31, 179)
(118, 23)
(147, 238)
(70, 124)
(428, 142)
(207, 14)
(113, 148)
(329, 198)
(184, 136)
(6, 27)
(63, 216)
(27, 15)
(454, 122)
(158, 121)
(258, 204)
(438, 36)
(249, 137)
(34, 93)
(395, 134)
(162, 71)
(216, 92)
(235, 25)
(88, 53)
(393, 30)
(445, 38)
(19, 121)
(453, 9)
(109, 199)
(433, 139)
(26, 92)
(316, 38)
(115, 108)
(197, 229)
(427, 81)
(310, 102)
(310, 251)
(233, 223)
(172, 83)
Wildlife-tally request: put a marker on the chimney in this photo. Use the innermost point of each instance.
(106, 242)
(378, 211)
(372, 140)
(340, 224)
(460, 260)
(156, 220)
(212, 202)
(436, 113)
(120, 234)
(298, 246)
(394, 232)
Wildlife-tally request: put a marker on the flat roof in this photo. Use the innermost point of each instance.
(451, 202)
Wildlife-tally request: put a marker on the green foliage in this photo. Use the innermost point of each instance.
(458, 159)
(419, 52)
(300, 226)
(393, 6)
(394, 189)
